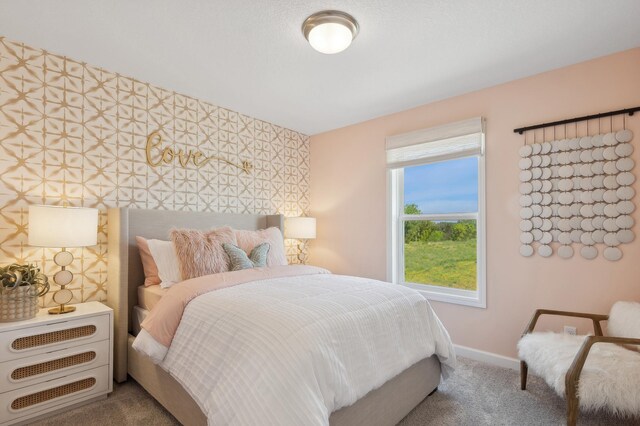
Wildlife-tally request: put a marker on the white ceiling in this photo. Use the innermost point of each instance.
(250, 55)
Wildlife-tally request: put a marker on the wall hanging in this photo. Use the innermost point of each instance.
(575, 189)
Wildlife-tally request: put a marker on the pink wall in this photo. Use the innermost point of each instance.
(348, 197)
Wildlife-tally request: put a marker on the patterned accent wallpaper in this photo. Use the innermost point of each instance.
(76, 134)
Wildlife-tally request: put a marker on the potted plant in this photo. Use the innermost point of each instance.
(20, 287)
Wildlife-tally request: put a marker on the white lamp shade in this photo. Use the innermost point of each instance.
(301, 228)
(54, 226)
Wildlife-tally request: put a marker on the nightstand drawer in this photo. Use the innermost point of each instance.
(23, 372)
(29, 401)
(29, 341)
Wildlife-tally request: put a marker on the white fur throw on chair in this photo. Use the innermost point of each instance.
(610, 379)
(624, 320)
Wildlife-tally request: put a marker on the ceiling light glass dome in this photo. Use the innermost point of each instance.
(330, 31)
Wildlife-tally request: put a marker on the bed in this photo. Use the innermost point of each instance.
(386, 405)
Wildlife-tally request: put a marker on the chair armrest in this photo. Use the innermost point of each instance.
(572, 378)
(573, 374)
(596, 318)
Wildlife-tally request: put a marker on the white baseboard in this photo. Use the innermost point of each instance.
(488, 357)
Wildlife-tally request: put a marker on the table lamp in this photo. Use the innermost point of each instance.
(303, 229)
(64, 227)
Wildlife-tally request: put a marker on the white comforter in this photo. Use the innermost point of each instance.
(289, 351)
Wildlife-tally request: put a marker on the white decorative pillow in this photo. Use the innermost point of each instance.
(624, 321)
(167, 262)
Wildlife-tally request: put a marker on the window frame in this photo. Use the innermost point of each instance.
(395, 236)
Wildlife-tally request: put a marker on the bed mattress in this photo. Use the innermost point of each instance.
(137, 316)
(148, 297)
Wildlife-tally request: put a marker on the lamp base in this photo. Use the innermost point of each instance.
(302, 252)
(61, 310)
(62, 278)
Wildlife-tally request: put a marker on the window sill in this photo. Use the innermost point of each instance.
(450, 295)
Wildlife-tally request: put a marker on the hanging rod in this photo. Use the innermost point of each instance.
(629, 111)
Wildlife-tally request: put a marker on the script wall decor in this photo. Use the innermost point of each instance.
(577, 192)
(76, 134)
(157, 154)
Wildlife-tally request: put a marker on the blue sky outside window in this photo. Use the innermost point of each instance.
(444, 187)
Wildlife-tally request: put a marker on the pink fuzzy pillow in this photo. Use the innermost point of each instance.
(200, 252)
(248, 240)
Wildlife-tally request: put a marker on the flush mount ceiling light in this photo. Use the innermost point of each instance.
(330, 31)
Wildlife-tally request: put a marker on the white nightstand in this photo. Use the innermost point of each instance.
(52, 362)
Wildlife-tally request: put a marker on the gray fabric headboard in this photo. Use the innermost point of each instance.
(125, 272)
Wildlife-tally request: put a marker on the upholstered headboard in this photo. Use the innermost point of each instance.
(125, 272)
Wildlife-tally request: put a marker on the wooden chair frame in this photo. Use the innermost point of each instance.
(572, 377)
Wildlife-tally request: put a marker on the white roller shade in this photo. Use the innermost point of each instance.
(452, 140)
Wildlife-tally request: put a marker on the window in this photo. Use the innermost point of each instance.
(436, 211)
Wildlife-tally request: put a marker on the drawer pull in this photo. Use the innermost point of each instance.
(48, 394)
(48, 366)
(43, 339)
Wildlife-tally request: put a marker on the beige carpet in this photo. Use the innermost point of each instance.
(477, 394)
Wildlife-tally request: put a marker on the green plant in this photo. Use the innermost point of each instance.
(14, 276)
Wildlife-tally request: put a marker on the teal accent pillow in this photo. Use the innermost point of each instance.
(239, 259)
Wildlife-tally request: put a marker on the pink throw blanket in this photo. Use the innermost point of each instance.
(163, 320)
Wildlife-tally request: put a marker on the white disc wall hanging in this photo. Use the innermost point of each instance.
(577, 189)
(565, 252)
(589, 252)
(624, 149)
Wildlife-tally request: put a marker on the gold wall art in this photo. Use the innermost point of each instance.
(157, 154)
(77, 134)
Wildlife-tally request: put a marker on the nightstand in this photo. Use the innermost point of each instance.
(52, 362)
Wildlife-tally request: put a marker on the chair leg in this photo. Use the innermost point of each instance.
(571, 394)
(524, 369)
(572, 410)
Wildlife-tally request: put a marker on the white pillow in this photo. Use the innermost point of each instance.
(167, 262)
(624, 321)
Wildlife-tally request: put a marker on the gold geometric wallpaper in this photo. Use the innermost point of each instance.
(76, 134)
